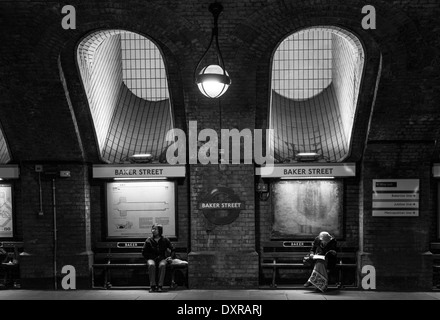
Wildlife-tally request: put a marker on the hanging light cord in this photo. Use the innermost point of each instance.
(215, 33)
(203, 56)
(215, 9)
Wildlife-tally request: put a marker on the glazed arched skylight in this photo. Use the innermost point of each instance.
(126, 84)
(143, 70)
(302, 64)
(316, 73)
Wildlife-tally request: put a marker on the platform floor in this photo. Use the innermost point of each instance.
(191, 294)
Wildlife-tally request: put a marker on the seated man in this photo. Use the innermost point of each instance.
(155, 252)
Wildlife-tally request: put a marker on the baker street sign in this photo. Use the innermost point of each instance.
(221, 206)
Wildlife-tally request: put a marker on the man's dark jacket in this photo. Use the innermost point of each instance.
(157, 250)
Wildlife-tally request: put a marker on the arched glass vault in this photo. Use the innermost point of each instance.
(125, 80)
(316, 75)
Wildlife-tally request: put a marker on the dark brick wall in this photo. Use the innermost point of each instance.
(65, 201)
(223, 255)
(397, 245)
(395, 134)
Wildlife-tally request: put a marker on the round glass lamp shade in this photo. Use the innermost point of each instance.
(212, 81)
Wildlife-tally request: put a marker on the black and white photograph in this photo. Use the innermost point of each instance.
(220, 158)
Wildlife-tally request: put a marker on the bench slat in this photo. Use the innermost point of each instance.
(11, 244)
(284, 254)
(118, 255)
(126, 255)
(119, 265)
(346, 255)
(302, 254)
(346, 265)
(282, 265)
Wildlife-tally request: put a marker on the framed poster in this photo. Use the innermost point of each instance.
(6, 212)
(304, 208)
(133, 207)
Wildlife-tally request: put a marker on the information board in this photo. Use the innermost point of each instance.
(6, 218)
(396, 198)
(133, 207)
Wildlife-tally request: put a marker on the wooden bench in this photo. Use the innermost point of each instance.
(435, 249)
(289, 255)
(128, 255)
(10, 263)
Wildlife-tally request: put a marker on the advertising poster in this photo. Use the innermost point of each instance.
(305, 208)
(6, 221)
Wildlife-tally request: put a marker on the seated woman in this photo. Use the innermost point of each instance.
(323, 253)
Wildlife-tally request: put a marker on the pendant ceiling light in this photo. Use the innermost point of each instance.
(213, 80)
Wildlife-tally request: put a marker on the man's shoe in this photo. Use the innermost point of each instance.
(159, 289)
(307, 284)
(152, 288)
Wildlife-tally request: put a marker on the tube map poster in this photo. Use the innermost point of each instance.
(133, 207)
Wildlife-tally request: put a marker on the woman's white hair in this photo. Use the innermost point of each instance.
(324, 236)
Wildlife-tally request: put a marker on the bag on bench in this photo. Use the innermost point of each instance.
(178, 262)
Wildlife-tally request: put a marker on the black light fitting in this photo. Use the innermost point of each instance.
(213, 80)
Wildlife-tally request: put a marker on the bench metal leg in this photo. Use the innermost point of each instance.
(340, 285)
(106, 284)
(107, 279)
(93, 278)
(274, 273)
(185, 276)
(173, 283)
